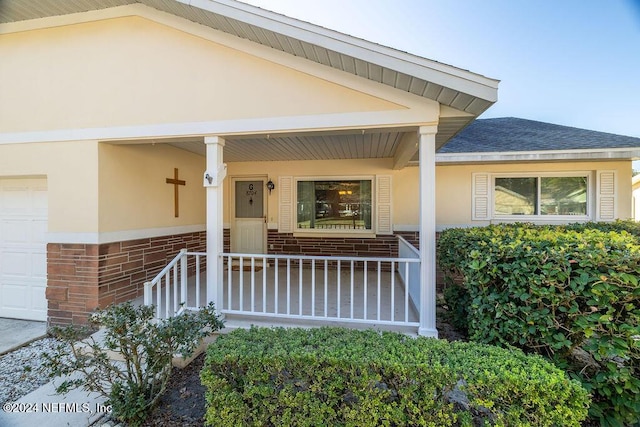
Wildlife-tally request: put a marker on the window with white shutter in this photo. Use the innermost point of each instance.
(335, 204)
(560, 196)
(480, 198)
(606, 196)
(285, 213)
(384, 221)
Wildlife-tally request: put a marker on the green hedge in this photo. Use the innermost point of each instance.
(334, 376)
(570, 293)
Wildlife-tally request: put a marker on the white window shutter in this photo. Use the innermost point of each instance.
(606, 196)
(384, 223)
(285, 212)
(480, 198)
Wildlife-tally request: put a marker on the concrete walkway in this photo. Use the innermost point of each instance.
(16, 333)
(44, 408)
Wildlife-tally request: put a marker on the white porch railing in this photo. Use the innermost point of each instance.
(369, 290)
(343, 289)
(177, 286)
(412, 279)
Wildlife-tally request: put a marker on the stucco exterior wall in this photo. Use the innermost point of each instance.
(97, 74)
(454, 186)
(72, 179)
(404, 182)
(133, 190)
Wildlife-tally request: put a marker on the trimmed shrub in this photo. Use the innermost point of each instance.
(334, 376)
(570, 293)
(134, 385)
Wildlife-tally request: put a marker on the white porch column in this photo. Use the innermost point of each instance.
(427, 142)
(213, 179)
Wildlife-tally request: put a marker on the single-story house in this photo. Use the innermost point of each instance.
(293, 166)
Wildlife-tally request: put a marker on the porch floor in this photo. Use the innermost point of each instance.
(305, 300)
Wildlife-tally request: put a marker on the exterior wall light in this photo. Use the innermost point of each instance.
(270, 186)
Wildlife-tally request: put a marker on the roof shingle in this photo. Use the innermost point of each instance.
(509, 134)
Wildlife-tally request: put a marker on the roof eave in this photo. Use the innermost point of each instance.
(540, 156)
(449, 76)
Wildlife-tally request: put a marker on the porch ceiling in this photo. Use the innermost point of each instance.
(335, 145)
(295, 147)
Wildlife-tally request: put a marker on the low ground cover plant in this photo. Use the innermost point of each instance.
(134, 385)
(342, 377)
(570, 293)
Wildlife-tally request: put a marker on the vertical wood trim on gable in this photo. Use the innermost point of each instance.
(384, 220)
(606, 196)
(480, 196)
(285, 214)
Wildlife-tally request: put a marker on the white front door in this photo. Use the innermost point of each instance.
(23, 248)
(249, 231)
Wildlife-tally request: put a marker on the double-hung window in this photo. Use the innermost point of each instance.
(541, 196)
(333, 205)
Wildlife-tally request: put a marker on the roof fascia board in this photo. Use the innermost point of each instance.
(532, 156)
(269, 125)
(432, 71)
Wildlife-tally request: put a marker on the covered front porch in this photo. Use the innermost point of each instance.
(319, 151)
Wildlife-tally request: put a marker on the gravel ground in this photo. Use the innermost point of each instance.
(21, 370)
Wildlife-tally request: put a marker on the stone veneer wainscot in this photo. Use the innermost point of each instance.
(83, 277)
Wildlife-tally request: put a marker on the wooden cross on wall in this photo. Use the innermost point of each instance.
(175, 181)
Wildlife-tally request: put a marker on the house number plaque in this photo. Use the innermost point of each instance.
(251, 192)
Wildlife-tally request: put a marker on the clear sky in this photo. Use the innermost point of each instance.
(570, 62)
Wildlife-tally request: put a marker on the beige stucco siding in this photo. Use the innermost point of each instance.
(454, 186)
(134, 194)
(72, 180)
(132, 71)
(404, 182)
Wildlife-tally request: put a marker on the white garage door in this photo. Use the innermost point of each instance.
(23, 259)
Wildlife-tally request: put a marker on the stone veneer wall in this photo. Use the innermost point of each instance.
(83, 277)
(381, 246)
(288, 244)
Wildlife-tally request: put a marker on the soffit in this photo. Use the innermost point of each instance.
(297, 147)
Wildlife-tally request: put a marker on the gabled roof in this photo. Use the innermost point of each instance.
(450, 86)
(511, 138)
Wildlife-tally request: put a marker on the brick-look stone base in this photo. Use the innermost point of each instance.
(288, 244)
(226, 237)
(82, 278)
(72, 282)
(380, 246)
